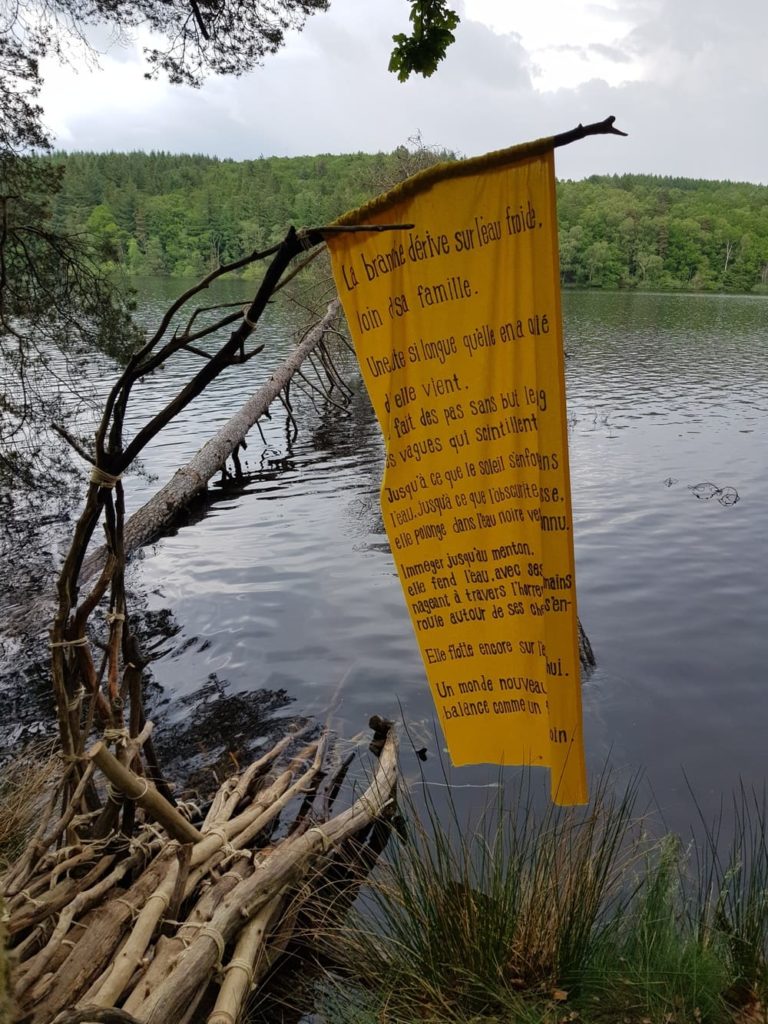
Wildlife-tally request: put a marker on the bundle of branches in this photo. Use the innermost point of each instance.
(181, 921)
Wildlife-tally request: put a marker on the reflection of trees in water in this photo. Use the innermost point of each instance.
(327, 434)
(212, 723)
(220, 731)
(214, 726)
(206, 733)
(31, 532)
(25, 693)
(357, 435)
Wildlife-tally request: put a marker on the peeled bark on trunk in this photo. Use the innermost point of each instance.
(152, 518)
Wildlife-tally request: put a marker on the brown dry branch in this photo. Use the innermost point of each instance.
(97, 666)
(143, 926)
(110, 694)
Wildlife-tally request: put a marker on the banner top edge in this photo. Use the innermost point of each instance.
(444, 171)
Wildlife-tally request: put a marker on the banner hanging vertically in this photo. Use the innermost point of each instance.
(457, 326)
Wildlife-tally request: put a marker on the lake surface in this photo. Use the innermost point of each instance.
(277, 594)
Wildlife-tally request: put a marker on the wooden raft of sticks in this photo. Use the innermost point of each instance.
(182, 921)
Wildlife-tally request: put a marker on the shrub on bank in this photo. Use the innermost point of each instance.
(538, 917)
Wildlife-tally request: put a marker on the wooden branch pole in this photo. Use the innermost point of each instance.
(286, 866)
(581, 131)
(138, 789)
(99, 927)
(239, 972)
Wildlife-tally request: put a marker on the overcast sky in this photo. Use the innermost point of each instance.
(688, 79)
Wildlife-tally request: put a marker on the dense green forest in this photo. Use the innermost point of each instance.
(156, 213)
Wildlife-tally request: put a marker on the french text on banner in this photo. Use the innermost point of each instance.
(457, 327)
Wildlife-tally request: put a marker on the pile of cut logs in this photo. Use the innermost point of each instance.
(182, 921)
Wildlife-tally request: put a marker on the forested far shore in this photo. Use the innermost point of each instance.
(176, 215)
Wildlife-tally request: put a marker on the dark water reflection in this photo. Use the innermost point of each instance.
(289, 587)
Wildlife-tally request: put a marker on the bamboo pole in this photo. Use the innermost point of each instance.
(138, 789)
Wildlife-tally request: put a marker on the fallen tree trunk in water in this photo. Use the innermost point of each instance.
(158, 513)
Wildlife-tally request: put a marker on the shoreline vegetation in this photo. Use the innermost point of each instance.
(538, 915)
(546, 916)
(169, 215)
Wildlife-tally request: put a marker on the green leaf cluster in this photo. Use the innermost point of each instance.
(433, 24)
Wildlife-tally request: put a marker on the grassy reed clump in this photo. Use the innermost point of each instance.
(538, 917)
(23, 785)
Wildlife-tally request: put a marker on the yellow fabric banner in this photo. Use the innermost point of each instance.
(457, 327)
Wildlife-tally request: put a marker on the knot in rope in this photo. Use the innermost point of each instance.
(116, 735)
(104, 479)
(327, 843)
(77, 698)
(247, 319)
(81, 641)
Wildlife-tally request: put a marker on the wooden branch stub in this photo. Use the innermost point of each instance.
(581, 131)
(138, 789)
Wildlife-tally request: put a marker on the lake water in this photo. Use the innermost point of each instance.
(273, 596)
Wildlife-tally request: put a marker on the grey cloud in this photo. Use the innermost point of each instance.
(630, 10)
(480, 57)
(680, 136)
(330, 92)
(687, 26)
(610, 53)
